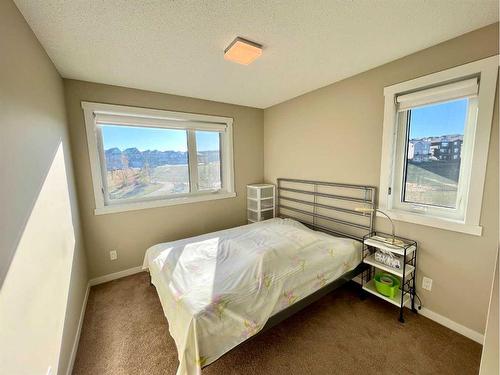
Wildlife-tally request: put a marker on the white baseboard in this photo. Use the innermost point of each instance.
(448, 323)
(78, 332)
(114, 276)
(454, 326)
(444, 321)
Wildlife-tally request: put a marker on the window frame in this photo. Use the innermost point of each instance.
(400, 169)
(486, 70)
(95, 113)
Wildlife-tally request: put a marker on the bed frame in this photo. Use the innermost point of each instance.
(319, 201)
(327, 207)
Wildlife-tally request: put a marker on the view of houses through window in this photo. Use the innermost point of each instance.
(435, 136)
(143, 162)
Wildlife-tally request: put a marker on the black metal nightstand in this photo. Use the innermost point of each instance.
(406, 273)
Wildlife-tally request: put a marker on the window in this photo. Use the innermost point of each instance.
(435, 144)
(426, 178)
(142, 158)
(144, 162)
(209, 160)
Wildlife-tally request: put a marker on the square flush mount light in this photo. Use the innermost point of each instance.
(242, 51)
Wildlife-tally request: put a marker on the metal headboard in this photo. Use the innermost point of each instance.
(327, 206)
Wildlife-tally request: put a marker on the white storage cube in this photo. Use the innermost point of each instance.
(265, 215)
(267, 192)
(260, 202)
(252, 192)
(253, 216)
(253, 204)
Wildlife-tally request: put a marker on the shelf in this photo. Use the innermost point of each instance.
(260, 186)
(398, 272)
(378, 242)
(370, 287)
(261, 199)
(261, 210)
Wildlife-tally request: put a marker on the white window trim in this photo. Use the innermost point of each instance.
(155, 118)
(487, 69)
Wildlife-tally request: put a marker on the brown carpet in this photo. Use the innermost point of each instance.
(125, 332)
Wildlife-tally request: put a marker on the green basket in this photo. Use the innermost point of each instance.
(386, 284)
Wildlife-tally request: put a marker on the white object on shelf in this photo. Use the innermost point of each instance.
(370, 287)
(395, 271)
(389, 259)
(261, 202)
(381, 243)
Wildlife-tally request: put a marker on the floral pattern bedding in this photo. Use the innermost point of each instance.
(219, 289)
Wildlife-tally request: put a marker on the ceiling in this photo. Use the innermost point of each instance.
(177, 47)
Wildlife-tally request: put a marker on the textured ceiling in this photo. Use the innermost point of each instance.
(177, 46)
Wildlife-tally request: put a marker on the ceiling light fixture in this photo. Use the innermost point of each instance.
(242, 51)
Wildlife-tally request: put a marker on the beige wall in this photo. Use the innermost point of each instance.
(131, 233)
(489, 359)
(335, 134)
(42, 263)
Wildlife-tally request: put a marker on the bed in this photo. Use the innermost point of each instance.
(219, 289)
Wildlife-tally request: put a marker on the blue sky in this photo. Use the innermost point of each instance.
(438, 119)
(124, 137)
(432, 120)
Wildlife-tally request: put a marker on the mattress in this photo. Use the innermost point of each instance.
(219, 289)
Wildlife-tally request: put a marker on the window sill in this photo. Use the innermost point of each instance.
(434, 222)
(111, 209)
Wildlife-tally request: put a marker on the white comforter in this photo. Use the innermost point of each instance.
(219, 289)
